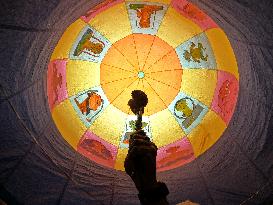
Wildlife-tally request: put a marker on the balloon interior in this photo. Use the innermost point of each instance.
(169, 49)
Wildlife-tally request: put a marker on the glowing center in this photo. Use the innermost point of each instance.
(141, 74)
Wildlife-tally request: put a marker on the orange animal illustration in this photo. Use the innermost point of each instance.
(56, 82)
(96, 148)
(92, 102)
(144, 13)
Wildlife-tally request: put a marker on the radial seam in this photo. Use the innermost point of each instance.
(148, 54)
(205, 183)
(67, 181)
(117, 67)
(122, 91)
(114, 81)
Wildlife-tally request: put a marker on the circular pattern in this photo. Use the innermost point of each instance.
(140, 74)
(172, 51)
(153, 58)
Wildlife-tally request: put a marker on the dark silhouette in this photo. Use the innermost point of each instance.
(140, 163)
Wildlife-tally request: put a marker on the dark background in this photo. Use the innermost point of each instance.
(38, 167)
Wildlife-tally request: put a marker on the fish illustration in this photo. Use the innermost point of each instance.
(92, 102)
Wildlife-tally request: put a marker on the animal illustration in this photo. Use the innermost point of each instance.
(144, 13)
(182, 106)
(56, 82)
(89, 44)
(224, 96)
(96, 148)
(192, 11)
(92, 102)
(195, 53)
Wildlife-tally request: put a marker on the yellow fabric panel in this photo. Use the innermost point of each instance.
(165, 129)
(109, 125)
(162, 91)
(157, 1)
(206, 133)
(223, 51)
(68, 123)
(64, 45)
(81, 75)
(113, 23)
(122, 153)
(176, 29)
(200, 84)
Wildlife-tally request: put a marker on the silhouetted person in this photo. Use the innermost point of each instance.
(140, 165)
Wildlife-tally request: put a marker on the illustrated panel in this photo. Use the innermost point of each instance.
(89, 104)
(187, 111)
(130, 127)
(97, 149)
(174, 155)
(56, 82)
(146, 17)
(90, 45)
(226, 94)
(196, 53)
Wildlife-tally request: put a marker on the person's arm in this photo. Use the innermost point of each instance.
(140, 165)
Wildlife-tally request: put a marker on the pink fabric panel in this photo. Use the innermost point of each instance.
(99, 8)
(192, 12)
(56, 82)
(98, 150)
(225, 96)
(174, 155)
